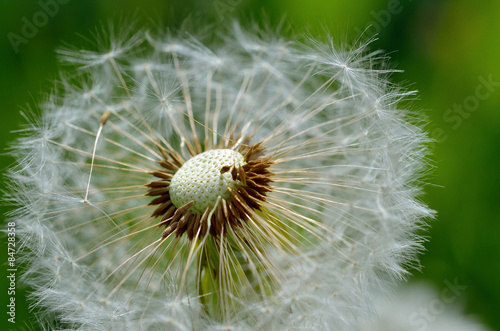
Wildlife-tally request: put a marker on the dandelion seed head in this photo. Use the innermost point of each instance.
(233, 180)
(201, 179)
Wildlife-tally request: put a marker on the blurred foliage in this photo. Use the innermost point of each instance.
(446, 48)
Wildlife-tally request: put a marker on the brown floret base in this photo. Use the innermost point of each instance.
(250, 193)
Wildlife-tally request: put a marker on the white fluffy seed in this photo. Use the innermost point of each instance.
(200, 179)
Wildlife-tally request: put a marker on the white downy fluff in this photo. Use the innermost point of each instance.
(347, 164)
(421, 307)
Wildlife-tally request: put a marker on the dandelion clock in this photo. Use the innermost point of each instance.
(227, 180)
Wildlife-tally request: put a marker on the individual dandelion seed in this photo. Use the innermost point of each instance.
(250, 182)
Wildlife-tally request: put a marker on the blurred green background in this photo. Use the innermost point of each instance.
(449, 50)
